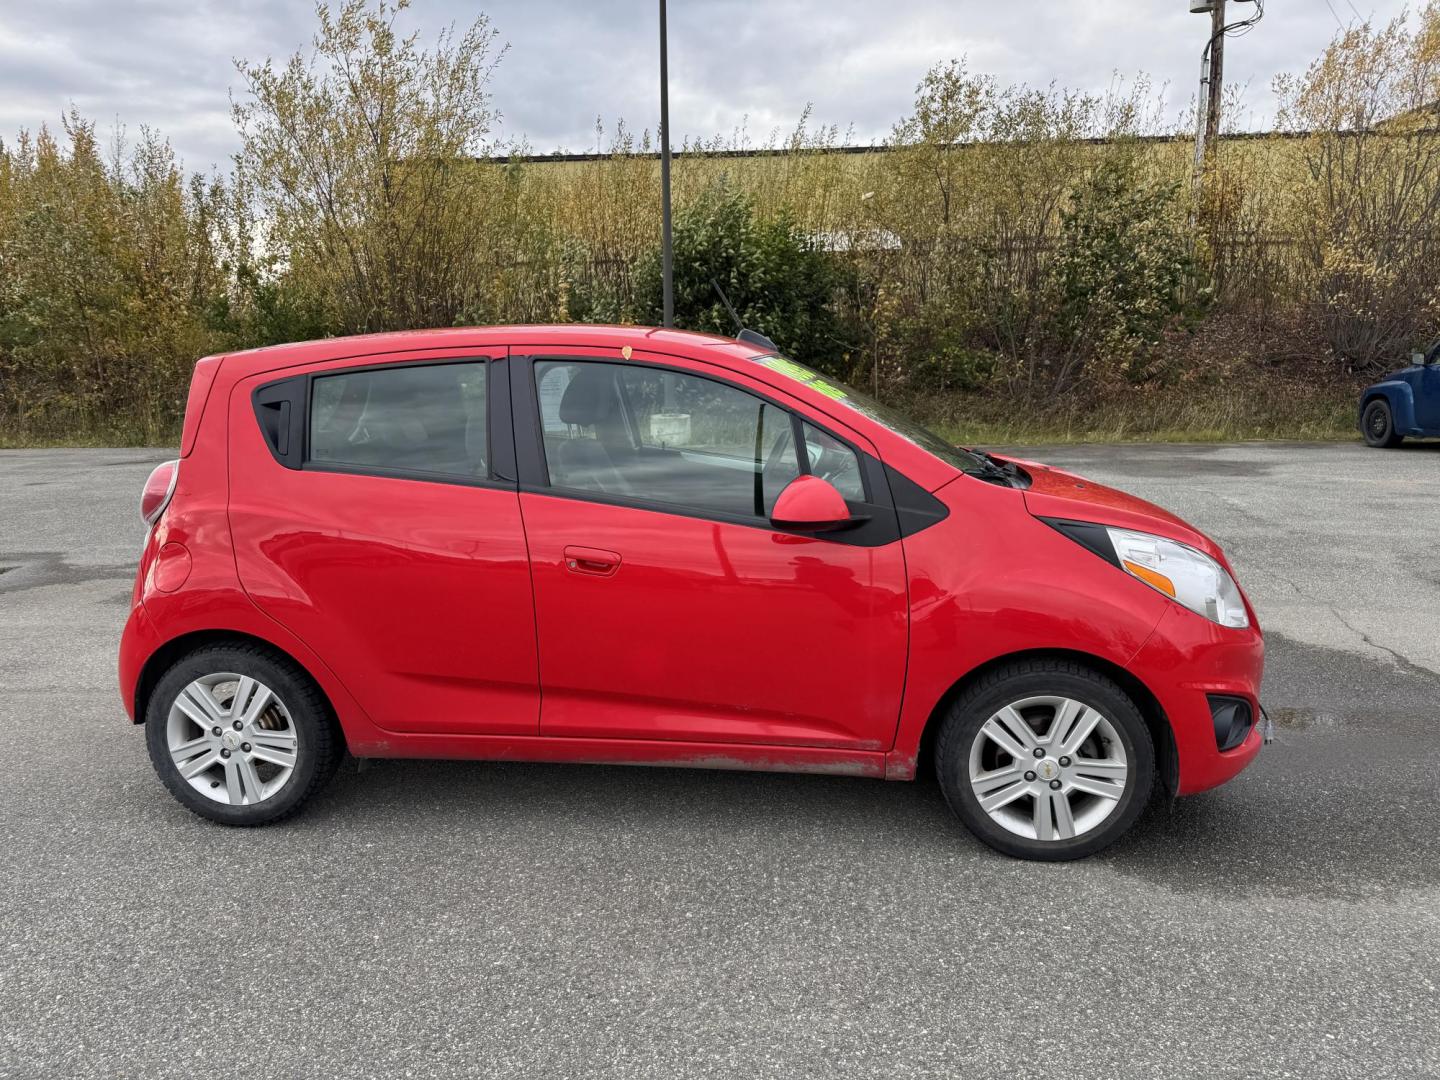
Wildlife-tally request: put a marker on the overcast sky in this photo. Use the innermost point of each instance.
(169, 63)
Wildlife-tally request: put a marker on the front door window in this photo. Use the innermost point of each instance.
(678, 439)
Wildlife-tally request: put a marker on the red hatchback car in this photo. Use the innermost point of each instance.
(611, 544)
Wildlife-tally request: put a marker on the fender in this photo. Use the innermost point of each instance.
(968, 610)
(215, 614)
(206, 598)
(1400, 396)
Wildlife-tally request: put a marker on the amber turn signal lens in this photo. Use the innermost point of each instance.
(1152, 577)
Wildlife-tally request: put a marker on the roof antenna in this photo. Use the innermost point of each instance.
(749, 337)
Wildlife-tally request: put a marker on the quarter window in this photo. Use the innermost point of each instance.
(422, 419)
(669, 437)
(832, 460)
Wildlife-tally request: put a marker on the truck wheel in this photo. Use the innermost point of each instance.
(1378, 424)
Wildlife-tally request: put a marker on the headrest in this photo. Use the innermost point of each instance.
(590, 396)
(412, 410)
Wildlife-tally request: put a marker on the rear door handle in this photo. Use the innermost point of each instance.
(596, 562)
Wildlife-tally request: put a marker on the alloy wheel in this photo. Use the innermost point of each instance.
(232, 739)
(1048, 768)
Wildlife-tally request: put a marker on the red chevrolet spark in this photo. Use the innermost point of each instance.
(607, 544)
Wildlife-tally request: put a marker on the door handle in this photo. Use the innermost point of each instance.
(596, 562)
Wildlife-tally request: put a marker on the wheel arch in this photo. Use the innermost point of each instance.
(1167, 759)
(1399, 396)
(165, 656)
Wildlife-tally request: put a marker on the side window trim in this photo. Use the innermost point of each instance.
(533, 474)
(802, 449)
(294, 395)
(500, 427)
(530, 467)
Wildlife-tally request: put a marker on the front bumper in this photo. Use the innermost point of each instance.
(1187, 661)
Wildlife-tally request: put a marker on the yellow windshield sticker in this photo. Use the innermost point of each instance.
(788, 367)
(804, 375)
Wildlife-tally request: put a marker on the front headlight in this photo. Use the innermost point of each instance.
(1185, 575)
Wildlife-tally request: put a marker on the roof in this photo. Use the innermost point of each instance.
(465, 337)
(919, 466)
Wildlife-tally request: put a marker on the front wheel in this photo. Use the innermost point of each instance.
(240, 735)
(1378, 424)
(1045, 759)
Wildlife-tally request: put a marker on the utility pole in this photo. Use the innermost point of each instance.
(1217, 78)
(667, 260)
(1212, 80)
(1207, 104)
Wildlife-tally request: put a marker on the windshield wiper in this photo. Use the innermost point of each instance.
(995, 471)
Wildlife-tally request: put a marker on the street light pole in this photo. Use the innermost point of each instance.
(667, 261)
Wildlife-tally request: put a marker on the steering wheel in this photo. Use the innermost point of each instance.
(838, 467)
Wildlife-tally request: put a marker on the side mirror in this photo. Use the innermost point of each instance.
(809, 502)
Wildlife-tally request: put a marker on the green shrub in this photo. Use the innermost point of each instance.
(776, 280)
(936, 354)
(1119, 272)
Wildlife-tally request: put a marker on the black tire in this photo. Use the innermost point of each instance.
(1032, 678)
(320, 744)
(1378, 425)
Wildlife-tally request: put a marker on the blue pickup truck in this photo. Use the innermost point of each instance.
(1405, 402)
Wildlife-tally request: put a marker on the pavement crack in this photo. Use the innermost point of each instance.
(1405, 663)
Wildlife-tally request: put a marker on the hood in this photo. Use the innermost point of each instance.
(1055, 493)
(1400, 373)
(1404, 374)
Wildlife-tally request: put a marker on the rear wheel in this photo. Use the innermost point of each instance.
(240, 735)
(1045, 759)
(1378, 424)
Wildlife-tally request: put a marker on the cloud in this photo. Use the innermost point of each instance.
(169, 64)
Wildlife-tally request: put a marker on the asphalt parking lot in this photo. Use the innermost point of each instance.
(437, 919)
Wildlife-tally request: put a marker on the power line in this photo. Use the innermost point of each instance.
(1244, 26)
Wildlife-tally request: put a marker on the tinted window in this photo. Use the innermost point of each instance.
(669, 437)
(425, 419)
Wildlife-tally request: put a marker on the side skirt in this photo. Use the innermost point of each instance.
(674, 755)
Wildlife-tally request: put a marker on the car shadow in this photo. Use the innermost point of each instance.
(604, 798)
(1285, 828)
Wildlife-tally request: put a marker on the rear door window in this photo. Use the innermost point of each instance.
(422, 419)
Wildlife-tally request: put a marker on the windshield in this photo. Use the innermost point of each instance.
(868, 407)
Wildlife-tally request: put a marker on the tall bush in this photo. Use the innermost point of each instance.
(109, 280)
(360, 154)
(1023, 243)
(1365, 207)
(774, 277)
(1119, 271)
